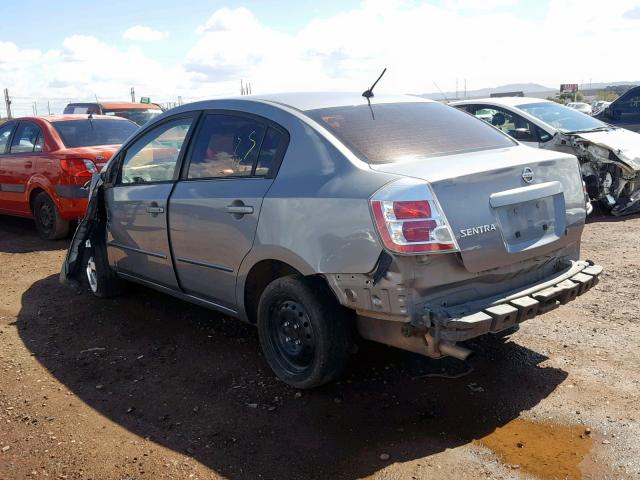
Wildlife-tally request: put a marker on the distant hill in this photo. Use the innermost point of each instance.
(527, 88)
(485, 92)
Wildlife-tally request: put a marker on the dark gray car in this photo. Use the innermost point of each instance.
(318, 215)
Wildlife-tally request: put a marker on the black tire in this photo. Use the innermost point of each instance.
(304, 333)
(102, 280)
(49, 223)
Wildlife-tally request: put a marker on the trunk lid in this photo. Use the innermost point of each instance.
(498, 217)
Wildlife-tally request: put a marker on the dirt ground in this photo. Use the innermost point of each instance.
(149, 387)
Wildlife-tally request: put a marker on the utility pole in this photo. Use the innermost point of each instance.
(179, 99)
(49, 107)
(35, 109)
(465, 88)
(133, 95)
(7, 102)
(241, 88)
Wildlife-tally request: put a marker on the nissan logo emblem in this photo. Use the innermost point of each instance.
(527, 175)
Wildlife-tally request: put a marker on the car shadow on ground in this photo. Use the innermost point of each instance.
(195, 382)
(19, 235)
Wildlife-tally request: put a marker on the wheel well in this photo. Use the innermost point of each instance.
(32, 196)
(261, 275)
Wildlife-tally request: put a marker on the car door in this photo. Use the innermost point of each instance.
(6, 131)
(18, 165)
(137, 237)
(214, 208)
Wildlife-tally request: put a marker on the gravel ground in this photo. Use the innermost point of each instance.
(146, 386)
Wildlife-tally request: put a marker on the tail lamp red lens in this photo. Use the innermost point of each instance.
(412, 210)
(78, 167)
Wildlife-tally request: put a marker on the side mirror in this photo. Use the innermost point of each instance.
(522, 134)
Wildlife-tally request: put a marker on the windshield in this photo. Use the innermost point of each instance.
(562, 118)
(139, 116)
(91, 133)
(393, 132)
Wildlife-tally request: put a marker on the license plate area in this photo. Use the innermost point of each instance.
(532, 223)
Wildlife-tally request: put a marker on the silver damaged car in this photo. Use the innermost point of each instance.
(321, 216)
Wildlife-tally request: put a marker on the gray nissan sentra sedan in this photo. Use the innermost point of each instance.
(316, 216)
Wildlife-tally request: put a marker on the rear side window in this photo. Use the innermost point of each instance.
(271, 149)
(91, 133)
(394, 132)
(226, 146)
(26, 138)
(5, 133)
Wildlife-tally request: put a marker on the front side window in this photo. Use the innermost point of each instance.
(154, 157)
(507, 121)
(393, 132)
(226, 146)
(5, 133)
(94, 132)
(26, 138)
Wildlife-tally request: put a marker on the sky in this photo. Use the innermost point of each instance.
(195, 49)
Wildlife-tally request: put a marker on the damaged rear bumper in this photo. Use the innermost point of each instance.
(501, 314)
(436, 330)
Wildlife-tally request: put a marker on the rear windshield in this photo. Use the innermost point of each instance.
(90, 133)
(137, 115)
(393, 132)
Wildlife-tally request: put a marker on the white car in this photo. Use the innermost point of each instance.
(609, 156)
(581, 107)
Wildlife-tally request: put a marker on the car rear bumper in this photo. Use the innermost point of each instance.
(435, 330)
(497, 314)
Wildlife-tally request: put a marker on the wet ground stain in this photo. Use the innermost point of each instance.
(548, 451)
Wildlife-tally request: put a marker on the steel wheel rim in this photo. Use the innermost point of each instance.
(47, 217)
(92, 274)
(292, 335)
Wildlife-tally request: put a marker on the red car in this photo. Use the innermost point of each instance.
(44, 162)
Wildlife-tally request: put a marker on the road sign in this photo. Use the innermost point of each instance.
(145, 100)
(568, 87)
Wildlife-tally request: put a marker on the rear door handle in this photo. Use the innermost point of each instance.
(28, 164)
(154, 209)
(240, 209)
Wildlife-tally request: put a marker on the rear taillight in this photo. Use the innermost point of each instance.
(78, 167)
(409, 219)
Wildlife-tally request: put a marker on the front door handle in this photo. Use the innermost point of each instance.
(28, 164)
(240, 209)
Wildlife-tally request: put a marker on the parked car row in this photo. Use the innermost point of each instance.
(315, 216)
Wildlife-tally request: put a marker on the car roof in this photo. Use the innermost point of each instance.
(305, 101)
(67, 117)
(504, 101)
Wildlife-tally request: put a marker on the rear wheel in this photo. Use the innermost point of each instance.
(49, 223)
(304, 332)
(101, 278)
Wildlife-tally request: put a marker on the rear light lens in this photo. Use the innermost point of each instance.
(78, 167)
(410, 220)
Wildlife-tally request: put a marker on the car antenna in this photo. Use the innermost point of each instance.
(369, 92)
(441, 92)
